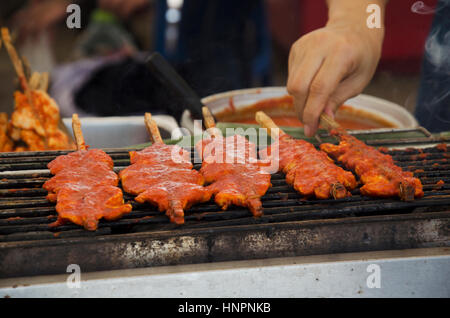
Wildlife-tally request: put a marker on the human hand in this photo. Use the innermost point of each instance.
(330, 65)
(37, 16)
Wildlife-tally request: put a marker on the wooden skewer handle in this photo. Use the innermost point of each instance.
(77, 132)
(208, 118)
(26, 67)
(267, 122)
(210, 123)
(17, 63)
(328, 122)
(152, 129)
(34, 81)
(44, 80)
(12, 52)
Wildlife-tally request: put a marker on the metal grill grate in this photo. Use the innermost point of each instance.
(25, 215)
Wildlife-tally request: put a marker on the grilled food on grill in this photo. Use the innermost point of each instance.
(35, 119)
(231, 168)
(164, 176)
(6, 144)
(85, 186)
(377, 171)
(308, 170)
(34, 132)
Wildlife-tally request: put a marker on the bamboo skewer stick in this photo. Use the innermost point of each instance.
(44, 80)
(328, 122)
(35, 80)
(210, 123)
(276, 132)
(23, 80)
(17, 63)
(39, 81)
(77, 132)
(152, 129)
(26, 67)
(266, 122)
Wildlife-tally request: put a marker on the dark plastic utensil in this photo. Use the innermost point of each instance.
(164, 72)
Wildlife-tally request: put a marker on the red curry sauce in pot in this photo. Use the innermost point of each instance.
(281, 110)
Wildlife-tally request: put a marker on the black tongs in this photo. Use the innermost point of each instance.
(167, 75)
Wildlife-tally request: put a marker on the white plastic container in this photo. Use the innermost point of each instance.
(118, 132)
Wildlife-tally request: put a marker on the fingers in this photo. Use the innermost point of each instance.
(301, 73)
(314, 79)
(348, 88)
(322, 90)
(328, 66)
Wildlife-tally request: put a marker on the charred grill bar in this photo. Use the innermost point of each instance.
(290, 226)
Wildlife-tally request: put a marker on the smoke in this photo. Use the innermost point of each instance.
(435, 88)
(421, 8)
(437, 45)
(437, 49)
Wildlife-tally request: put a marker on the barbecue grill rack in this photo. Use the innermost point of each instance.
(307, 226)
(25, 212)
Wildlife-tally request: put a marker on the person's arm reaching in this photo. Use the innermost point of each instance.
(331, 64)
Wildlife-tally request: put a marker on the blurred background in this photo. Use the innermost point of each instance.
(98, 69)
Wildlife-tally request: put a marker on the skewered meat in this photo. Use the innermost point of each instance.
(231, 168)
(377, 171)
(163, 175)
(33, 131)
(35, 119)
(84, 186)
(311, 172)
(6, 144)
(308, 170)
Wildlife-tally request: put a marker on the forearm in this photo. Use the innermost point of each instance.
(351, 9)
(345, 12)
(331, 64)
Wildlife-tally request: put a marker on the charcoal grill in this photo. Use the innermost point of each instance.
(291, 225)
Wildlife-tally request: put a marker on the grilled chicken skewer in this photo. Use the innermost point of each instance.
(6, 144)
(23, 82)
(23, 124)
(308, 170)
(231, 168)
(163, 175)
(85, 186)
(377, 171)
(35, 121)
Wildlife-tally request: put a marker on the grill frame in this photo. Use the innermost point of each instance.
(243, 242)
(352, 226)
